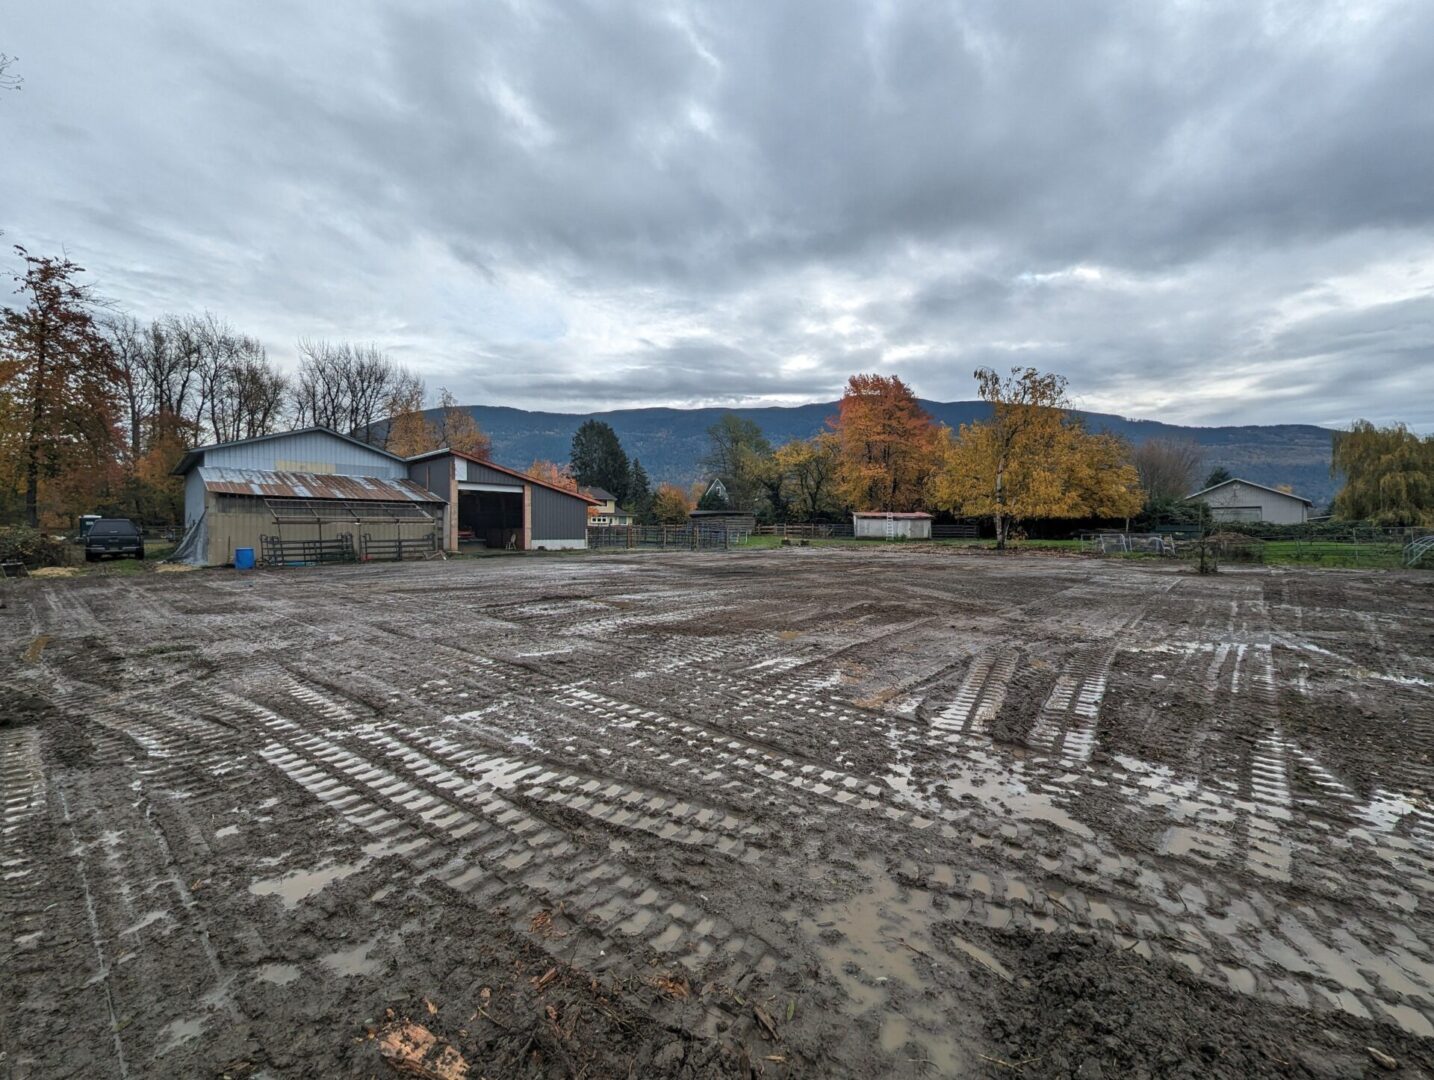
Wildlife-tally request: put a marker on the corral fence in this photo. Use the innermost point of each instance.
(276, 551)
(396, 549)
(664, 537)
(844, 530)
(1356, 547)
(808, 530)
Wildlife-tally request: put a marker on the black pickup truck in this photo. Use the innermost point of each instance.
(113, 537)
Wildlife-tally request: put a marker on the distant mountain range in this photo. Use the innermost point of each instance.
(671, 442)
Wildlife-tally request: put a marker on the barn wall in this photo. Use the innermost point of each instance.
(558, 517)
(1236, 500)
(309, 451)
(230, 529)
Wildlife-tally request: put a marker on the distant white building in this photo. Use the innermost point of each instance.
(1244, 500)
(875, 525)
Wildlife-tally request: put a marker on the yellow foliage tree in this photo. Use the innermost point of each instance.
(670, 505)
(409, 431)
(808, 472)
(1031, 459)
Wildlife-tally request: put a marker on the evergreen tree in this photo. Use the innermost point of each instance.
(1218, 475)
(598, 459)
(639, 492)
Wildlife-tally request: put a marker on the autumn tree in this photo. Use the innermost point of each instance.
(1388, 475)
(1032, 459)
(597, 459)
(458, 430)
(58, 379)
(671, 505)
(886, 445)
(808, 471)
(550, 472)
(410, 432)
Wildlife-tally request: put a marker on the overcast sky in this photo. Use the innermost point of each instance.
(1199, 212)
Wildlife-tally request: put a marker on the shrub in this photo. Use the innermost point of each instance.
(19, 543)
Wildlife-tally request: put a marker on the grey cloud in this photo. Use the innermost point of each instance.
(1198, 210)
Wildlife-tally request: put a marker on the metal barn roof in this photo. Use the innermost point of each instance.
(296, 485)
(195, 456)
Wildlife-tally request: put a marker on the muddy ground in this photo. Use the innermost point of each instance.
(791, 813)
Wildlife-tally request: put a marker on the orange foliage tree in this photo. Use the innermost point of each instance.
(58, 382)
(886, 445)
(457, 429)
(550, 472)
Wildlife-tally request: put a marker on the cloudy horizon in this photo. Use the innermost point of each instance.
(1210, 214)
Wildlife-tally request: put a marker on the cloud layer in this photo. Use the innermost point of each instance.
(1213, 213)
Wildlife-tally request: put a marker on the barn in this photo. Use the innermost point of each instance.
(875, 525)
(497, 507)
(300, 497)
(1245, 500)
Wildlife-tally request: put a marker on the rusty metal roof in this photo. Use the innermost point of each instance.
(298, 485)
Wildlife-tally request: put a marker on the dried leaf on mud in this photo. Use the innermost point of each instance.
(413, 1050)
(769, 1026)
(541, 982)
(674, 986)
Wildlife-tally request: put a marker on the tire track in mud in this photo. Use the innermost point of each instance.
(1404, 994)
(483, 845)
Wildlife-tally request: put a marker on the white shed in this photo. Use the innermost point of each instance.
(1244, 500)
(875, 525)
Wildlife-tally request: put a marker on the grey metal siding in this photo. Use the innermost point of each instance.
(1272, 506)
(556, 516)
(303, 451)
(481, 474)
(432, 474)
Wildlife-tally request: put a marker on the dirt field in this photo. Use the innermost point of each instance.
(849, 813)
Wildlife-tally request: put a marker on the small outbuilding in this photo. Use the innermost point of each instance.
(307, 496)
(876, 525)
(498, 507)
(1245, 500)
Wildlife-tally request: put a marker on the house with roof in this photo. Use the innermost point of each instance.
(313, 495)
(497, 507)
(1244, 500)
(606, 511)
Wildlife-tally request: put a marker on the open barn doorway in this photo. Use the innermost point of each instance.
(493, 519)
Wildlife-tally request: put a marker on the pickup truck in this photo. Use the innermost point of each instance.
(113, 538)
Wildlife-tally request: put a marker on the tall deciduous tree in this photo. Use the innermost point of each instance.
(1031, 459)
(58, 377)
(598, 460)
(886, 445)
(1388, 475)
(410, 432)
(345, 387)
(457, 429)
(738, 454)
(1166, 467)
(808, 468)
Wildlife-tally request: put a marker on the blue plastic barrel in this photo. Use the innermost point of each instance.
(243, 558)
